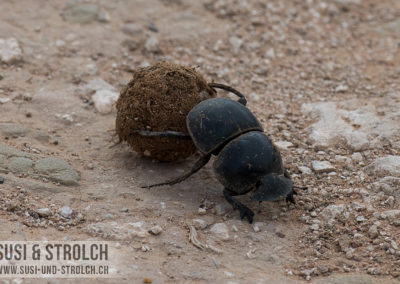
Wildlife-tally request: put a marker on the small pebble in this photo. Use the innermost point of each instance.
(199, 224)
(322, 166)
(305, 170)
(43, 212)
(220, 208)
(220, 230)
(373, 231)
(65, 211)
(357, 157)
(360, 218)
(156, 230)
(202, 211)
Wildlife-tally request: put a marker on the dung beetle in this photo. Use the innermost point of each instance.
(247, 160)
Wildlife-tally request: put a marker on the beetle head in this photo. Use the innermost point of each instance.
(273, 187)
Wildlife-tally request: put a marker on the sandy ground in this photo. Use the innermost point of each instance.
(281, 54)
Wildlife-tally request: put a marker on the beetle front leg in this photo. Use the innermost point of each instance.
(243, 209)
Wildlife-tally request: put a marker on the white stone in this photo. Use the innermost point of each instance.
(229, 274)
(315, 227)
(10, 52)
(43, 212)
(152, 45)
(283, 144)
(270, 53)
(236, 43)
(330, 212)
(353, 123)
(220, 230)
(202, 211)
(103, 16)
(104, 95)
(392, 214)
(385, 166)
(137, 225)
(357, 157)
(256, 228)
(341, 89)
(65, 211)
(322, 166)
(155, 230)
(360, 218)
(254, 97)
(340, 158)
(104, 100)
(373, 231)
(200, 224)
(389, 185)
(60, 43)
(305, 170)
(4, 100)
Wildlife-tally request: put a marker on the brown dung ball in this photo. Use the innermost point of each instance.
(158, 98)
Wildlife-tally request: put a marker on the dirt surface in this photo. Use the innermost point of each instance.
(287, 57)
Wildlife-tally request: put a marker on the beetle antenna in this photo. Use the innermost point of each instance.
(242, 98)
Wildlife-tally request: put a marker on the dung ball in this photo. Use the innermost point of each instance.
(158, 99)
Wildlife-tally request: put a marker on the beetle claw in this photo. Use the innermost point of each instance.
(290, 198)
(246, 212)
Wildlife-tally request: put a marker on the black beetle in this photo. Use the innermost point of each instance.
(246, 158)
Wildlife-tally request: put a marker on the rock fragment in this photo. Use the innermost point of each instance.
(104, 95)
(200, 224)
(385, 166)
(330, 212)
(305, 170)
(10, 52)
(236, 44)
(322, 166)
(43, 212)
(152, 45)
(132, 29)
(13, 130)
(104, 100)
(20, 164)
(65, 211)
(220, 230)
(155, 230)
(57, 170)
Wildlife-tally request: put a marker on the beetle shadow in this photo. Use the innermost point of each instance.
(144, 171)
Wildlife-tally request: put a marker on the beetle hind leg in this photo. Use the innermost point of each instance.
(197, 166)
(170, 134)
(243, 209)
